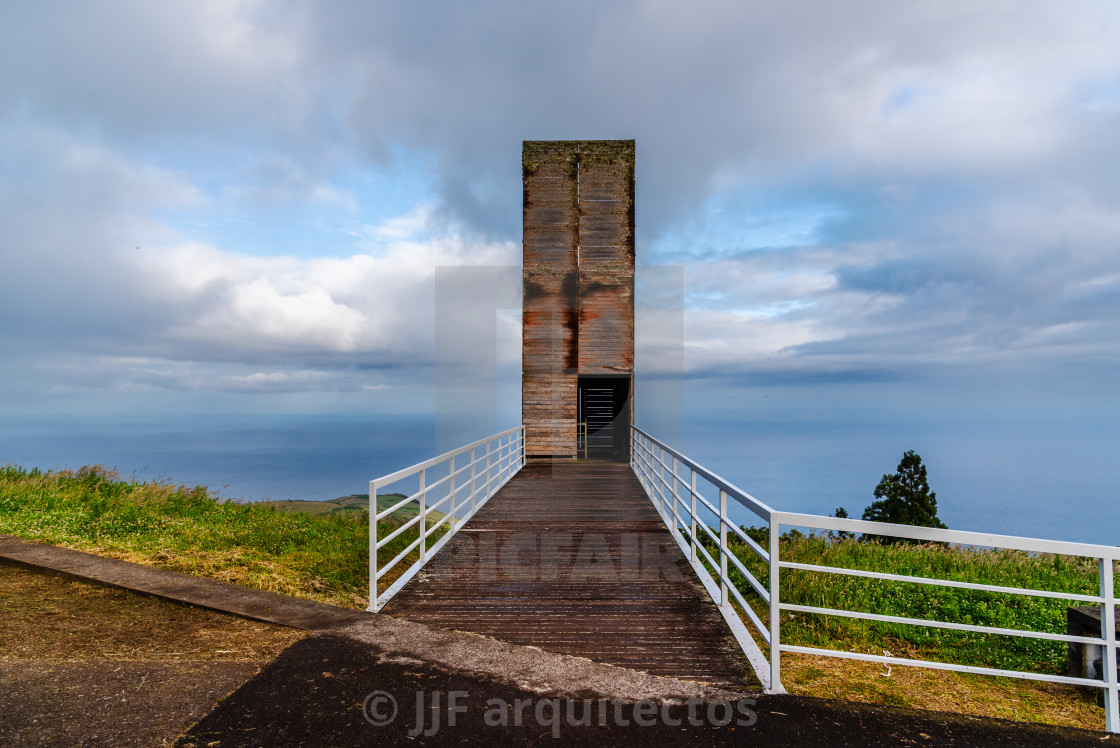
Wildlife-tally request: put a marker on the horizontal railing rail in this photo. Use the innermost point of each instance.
(671, 481)
(484, 467)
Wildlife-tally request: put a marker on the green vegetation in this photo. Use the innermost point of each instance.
(919, 687)
(1007, 568)
(904, 497)
(321, 555)
(358, 502)
(347, 504)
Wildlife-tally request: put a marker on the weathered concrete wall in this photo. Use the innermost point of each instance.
(606, 257)
(550, 297)
(578, 295)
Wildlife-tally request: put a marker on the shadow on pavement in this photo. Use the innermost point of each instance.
(330, 690)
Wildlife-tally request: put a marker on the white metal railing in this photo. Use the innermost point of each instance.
(671, 481)
(491, 462)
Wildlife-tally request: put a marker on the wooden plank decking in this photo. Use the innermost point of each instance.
(573, 558)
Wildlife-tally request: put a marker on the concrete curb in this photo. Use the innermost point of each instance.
(246, 602)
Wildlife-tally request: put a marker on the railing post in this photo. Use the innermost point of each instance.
(676, 496)
(474, 483)
(636, 457)
(373, 545)
(488, 467)
(643, 449)
(423, 519)
(647, 465)
(775, 631)
(724, 595)
(692, 527)
(647, 468)
(1108, 659)
(503, 459)
(639, 457)
(509, 455)
(451, 489)
(661, 479)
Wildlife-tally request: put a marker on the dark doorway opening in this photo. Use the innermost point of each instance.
(604, 418)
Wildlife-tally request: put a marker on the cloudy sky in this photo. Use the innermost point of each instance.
(904, 209)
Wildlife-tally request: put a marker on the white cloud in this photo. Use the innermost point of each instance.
(363, 303)
(941, 178)
(257, 311)
(402, 227)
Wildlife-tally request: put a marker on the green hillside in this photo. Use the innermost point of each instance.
(315, 549)
(358, 502)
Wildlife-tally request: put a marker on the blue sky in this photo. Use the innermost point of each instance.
(882, 210)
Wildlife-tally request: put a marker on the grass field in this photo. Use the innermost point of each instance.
(997, 567)
(917, 687)
(322, 554)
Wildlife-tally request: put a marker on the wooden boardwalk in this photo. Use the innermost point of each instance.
(574, 559)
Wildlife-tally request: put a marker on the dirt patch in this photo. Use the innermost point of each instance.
(82, 664)
(940, 690)
(96, 703)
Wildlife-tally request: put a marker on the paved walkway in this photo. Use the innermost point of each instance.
(573, 558)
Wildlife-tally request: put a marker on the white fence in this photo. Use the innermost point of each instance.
(483, 467)
(677, 487)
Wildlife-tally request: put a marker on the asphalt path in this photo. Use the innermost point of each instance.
(333, 690)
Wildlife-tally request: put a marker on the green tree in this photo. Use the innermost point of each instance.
(904, 498)
(841, 513)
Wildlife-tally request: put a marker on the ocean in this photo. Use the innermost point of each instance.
(1054, 482)
(249, 457)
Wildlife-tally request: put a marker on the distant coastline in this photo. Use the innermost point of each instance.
(358, 502)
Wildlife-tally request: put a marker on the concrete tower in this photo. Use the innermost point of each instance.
(578, 298)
